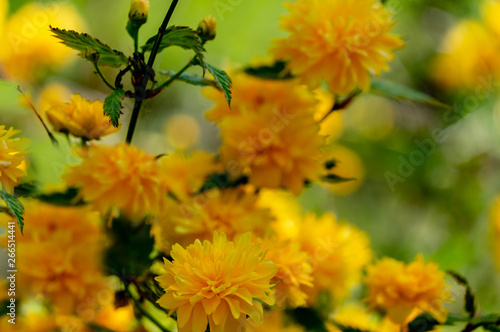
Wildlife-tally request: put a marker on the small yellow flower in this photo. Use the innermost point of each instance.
(121, 176)
(269, 132)
(217, 283)
(59, 254)
(228, 211)
(338, 253)
(294, 272)
(12, 157)
(81, 118)
(399, 289)
(340, 41)
(29, 50)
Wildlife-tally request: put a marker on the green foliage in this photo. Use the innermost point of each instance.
(276, 71)
(67, 198)
(422, 323)
(128, 254)
(309, 318)
(113, 106)
(15, 207)
(221, 78)
(83, 42)
(399, 92)
(470, 301)
(184, 37)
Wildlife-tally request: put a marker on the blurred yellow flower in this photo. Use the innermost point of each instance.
(218, 283)
(399, 289)
(121, 176)
(269, 133)
(332, 126)
(28, 48)
(285, 209)
(338, 253)
(81, 118)
(53, 95)
(491, 11)
(59, 254)
(182, 131)
(347, 165)
(185, 173)
(371, 116)
(275, 321)
(229, 211)
(340, 41)
(354, 316)
(12, 157)
(469, 57)
(495, 224)
(294, 272)
(4, 10)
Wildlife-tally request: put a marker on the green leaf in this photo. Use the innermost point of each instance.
(395, 91)
(422, 323)
(191, 79)
(113, 106)
(470, 300)
(82, 42)
(308, 318)
(334, 178)
(222, 181)
(15, 207)
(276, 71)
(67, 198)
(221, 78)
(184, 37)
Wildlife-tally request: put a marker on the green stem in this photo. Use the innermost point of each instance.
(173, 78)
(139, 98)
(102, 77)
(143, 311)
(343, 104)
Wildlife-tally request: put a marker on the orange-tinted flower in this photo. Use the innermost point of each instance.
(340, 41)
(217, 283)
(12, 155)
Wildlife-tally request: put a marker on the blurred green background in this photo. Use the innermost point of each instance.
(441, 209)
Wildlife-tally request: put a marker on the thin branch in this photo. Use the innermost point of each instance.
(102, 77)
(174, 77)
(343, 104)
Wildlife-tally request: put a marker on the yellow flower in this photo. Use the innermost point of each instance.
(347, 165)
(53, 95)
(182, 131)
(399, 289)
(28, 49)
(275, 321)
(228, 211)
(121, 176)
(12, 155)
(184, 174)
(355, 316)
(285, 209)
(490, 11)
(207, 28)
(495, 224)
(339, 41)
(470, 57)
(294, 272)
(81, 118)
(59, 254)
(139, 10)
(338, 252)
(219, 282)
(269, 133)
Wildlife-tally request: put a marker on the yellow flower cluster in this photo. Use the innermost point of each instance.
(12, 158)
(269, 133)
(28, 48)
(342, 42)
(399, 289)
(470, 52)
(217, 283)
(81, 118)
(121, 176)
(60, 254)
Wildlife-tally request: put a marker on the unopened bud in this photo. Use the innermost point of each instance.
(207, 28)
(91, 54)
(138, 13)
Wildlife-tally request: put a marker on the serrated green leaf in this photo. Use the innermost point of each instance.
(15, 207)
(470, 300)
(191, 79)
(395, 91)
(422, 323)
(113, 106)
(184, 37)
(334, 178)
(82, 42)
(276, 71)
(222, 79)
